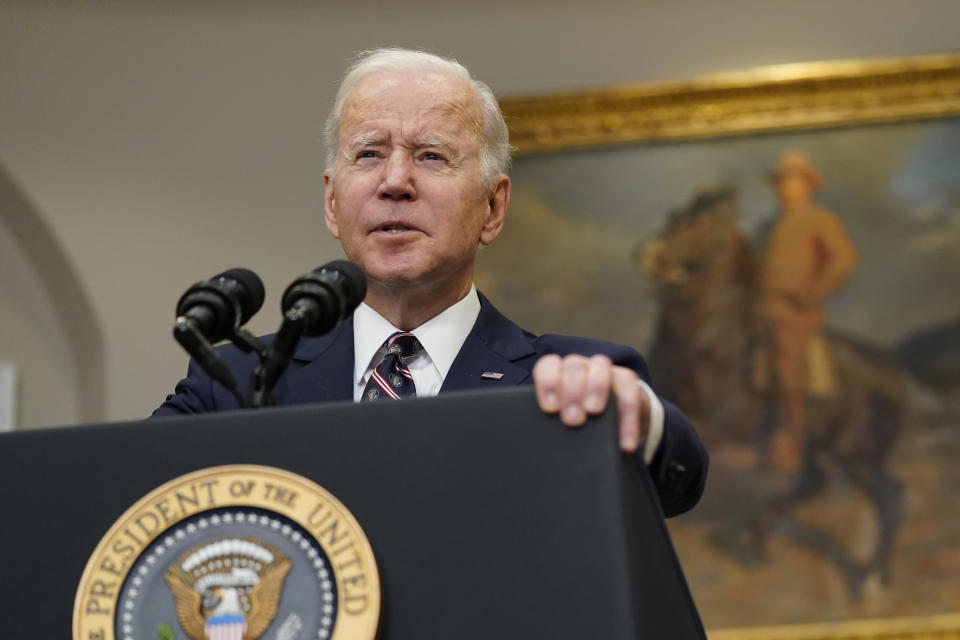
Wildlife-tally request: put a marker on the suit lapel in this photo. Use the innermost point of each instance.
(495, 345)
(322, 368)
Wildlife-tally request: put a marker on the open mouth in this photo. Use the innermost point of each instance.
(395, 227)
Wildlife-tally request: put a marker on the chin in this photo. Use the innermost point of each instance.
(396, 275)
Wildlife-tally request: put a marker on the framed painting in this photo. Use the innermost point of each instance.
(784, 247)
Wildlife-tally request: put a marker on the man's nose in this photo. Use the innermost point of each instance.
(398, 179)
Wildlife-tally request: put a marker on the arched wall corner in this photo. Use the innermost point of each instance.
(72, 307)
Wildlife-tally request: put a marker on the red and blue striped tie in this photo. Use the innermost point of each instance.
(391, 379)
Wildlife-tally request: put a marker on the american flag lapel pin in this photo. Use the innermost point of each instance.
(491, 375)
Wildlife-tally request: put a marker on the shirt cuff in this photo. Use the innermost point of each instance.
(655, 435)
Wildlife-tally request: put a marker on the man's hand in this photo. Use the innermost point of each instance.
(576, 386)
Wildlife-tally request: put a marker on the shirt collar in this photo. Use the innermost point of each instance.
(441, 336)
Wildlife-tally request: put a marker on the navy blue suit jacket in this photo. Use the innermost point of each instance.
(322, 371)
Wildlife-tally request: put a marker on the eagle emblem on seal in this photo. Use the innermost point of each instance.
(228, 588)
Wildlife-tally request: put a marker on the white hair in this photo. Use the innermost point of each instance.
(494, 139)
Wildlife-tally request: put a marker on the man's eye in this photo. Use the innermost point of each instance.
(432, 156)
(366, 154)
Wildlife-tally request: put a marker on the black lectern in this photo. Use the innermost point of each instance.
(488, 519)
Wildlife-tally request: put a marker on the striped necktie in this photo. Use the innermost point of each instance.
(391, 379)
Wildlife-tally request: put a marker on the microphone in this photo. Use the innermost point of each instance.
(325, 296)
(219, 306)
(312, 305)
(215, 310)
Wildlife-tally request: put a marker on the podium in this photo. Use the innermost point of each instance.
(488, 519)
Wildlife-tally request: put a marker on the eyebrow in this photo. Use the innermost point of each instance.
(433, 143)
(365, 141)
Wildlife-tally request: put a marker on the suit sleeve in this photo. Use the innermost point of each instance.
(199, 393)
(193, 394)
(679, 466)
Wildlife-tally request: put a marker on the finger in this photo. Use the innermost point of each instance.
(573, 380)
(599, 374)
(546, 382)
(630, 400)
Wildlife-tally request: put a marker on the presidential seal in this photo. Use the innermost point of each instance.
(238, 552)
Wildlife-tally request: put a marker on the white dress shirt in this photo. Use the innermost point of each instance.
(441, 337)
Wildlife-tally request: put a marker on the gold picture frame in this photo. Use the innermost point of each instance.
(776, 98)
(773, 98)
(942, 627)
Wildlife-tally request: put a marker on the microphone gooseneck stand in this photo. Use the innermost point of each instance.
(274, 360)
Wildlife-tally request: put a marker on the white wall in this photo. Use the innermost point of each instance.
(32, 338)
(162, 142)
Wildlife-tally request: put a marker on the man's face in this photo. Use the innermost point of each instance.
(793, 189)
(406, 199)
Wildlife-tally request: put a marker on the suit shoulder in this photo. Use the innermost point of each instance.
(243, 360)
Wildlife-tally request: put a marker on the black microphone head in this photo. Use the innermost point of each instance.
(220, 305)
(250, 293)
(353, 280)
(326, 295)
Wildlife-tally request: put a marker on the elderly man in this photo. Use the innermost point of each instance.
(415, 182)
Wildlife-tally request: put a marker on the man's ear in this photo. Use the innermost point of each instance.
(329, 216)
(496, 210)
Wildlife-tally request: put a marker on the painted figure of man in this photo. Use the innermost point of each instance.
(808, 258)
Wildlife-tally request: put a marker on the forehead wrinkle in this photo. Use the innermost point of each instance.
(375, 139)
(418, 141)
(462, 102)
(466, 112)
